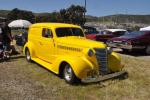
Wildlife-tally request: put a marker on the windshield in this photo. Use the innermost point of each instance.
(91, 31)
(62, 32)
(133, 34)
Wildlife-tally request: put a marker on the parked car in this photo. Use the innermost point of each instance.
(90, 32)
(64, 50)
(105, 34)
(110, 33)
(137, 40)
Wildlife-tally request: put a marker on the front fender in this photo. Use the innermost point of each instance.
(114, 62)
(79, 65)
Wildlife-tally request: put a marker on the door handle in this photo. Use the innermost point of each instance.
(40, 43)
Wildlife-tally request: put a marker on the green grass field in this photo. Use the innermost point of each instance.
(20, 80)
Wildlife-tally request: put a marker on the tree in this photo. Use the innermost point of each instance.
(73, 14)
(64, 15)
(49, 17)
(20, 14)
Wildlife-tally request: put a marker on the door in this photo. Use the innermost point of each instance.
(47, 46)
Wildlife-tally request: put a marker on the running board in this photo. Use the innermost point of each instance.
(43, 63)
(105, 77)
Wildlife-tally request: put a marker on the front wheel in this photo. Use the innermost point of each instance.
(69, 75)
(148, 50)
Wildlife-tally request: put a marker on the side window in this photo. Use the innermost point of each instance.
(47, 33)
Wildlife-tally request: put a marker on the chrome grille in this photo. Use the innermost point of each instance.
(102, 59)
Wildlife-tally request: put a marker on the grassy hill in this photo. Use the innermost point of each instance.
(118, 18)
(121, 18)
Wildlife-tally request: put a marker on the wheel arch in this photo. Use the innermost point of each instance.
(30, 47)
(74, 78)
(61, 68)
(26, 48)
(78, 65)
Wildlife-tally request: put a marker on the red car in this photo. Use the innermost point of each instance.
(138, 40)
(104, 35)
(110, 33)
(90, 32)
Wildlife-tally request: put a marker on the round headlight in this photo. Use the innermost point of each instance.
(90, 53)
(109, 50)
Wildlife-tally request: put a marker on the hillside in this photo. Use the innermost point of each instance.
(3, 13)
(118, 18)
(121, 18)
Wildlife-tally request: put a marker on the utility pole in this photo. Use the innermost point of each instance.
(85, 9)
(85, 4)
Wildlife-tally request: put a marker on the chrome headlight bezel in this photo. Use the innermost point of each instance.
(90, 52)
(109, 50)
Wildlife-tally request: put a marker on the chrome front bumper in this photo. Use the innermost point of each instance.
(124, 46)
(121, 74)
(119, 45)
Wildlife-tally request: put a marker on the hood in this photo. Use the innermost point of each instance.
(80, 42)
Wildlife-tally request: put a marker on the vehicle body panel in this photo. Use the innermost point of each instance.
(131, 42)
(71, 49)
(105, 34)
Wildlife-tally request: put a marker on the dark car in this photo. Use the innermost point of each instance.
(104, 35)
(90, 32)
(138, 40)
(110, 33)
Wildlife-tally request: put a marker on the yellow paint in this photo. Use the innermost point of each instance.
(51, 52)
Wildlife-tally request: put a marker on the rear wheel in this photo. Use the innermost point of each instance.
(69, 75)
(28, 56)
(148, 50)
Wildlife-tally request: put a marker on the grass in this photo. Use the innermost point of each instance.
(31, 81)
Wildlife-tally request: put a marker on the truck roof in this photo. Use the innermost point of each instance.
(54, 25)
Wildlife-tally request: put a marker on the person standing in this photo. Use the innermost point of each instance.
(0, 34)
(1, 45)
(6, 36)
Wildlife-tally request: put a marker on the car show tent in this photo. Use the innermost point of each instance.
(19, 24)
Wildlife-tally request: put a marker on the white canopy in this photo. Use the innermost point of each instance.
(20, 23)
(145, 29)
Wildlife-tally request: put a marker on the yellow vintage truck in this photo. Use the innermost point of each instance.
(64, 50)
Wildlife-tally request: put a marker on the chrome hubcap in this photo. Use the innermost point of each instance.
(68, 73)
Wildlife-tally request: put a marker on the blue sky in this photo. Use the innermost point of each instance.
(94, 7)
